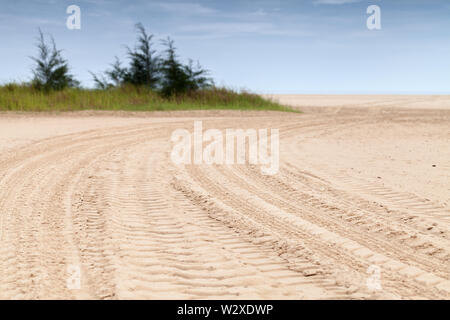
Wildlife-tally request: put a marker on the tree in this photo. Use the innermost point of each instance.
(113, 77)
(174, 79)
(178, 78)
(52, 70)
(144, 64)
(149, 70)
(143, 69)
(197, 78)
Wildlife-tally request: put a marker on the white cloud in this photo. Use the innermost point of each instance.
(333, 2)
(30, 20)
(228, 29)
(260, 13)
(189, 8)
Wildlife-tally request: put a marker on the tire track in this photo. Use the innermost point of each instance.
(111, 202)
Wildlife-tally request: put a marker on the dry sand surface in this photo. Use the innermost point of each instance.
(364, 101)
(357, 189)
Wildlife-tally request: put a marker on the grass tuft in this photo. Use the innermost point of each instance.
(22, 97)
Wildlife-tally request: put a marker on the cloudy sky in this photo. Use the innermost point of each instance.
(267, 46)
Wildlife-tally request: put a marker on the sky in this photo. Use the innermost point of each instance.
(265, 46)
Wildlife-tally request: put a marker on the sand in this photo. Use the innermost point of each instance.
(434, 102)
(358, 190)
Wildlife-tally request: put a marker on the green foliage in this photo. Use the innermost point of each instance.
(144, 69)
(52, 70)
(178, 78)
(196, 76)
(149, 83)
(114, 77)
(144, 65)
(23, 97)
(147, 69)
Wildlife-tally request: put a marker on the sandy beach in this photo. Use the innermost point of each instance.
(363, 185)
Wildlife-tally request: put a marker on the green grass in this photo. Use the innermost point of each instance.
(18, 97)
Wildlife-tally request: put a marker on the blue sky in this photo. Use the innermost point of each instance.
(266, 46)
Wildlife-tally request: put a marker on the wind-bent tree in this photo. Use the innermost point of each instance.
(52, 70)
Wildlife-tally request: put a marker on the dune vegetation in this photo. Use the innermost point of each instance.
(23, 97)
(150, 81)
